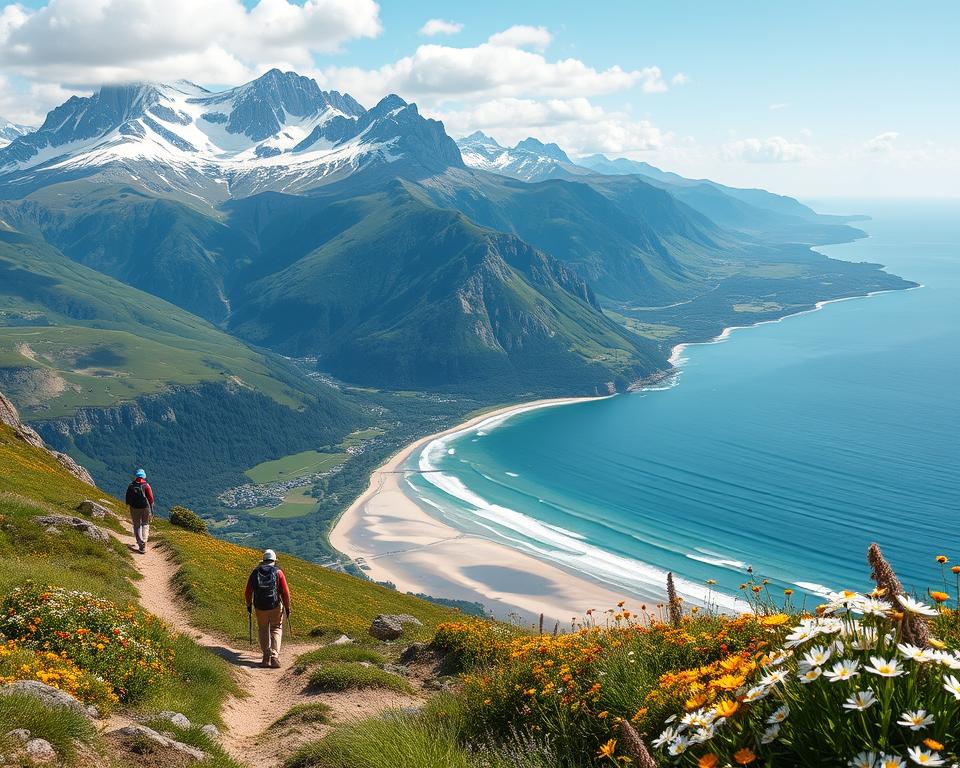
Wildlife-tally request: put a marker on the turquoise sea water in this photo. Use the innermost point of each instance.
(789, 446)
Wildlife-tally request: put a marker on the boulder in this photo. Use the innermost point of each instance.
(406, 618)
(85, 527)
(48, 695)
(40, 750)
(386, 627)
(412, 652)
(176, 718)
(211, 731)
(142, 732)
(93, 509)
(19, 734)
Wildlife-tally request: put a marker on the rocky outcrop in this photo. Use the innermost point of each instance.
(85, 527)
(141, 732)
(390, 627)
(49, 696)
(93, 509)
(10, 417)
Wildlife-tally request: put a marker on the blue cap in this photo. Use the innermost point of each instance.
(141, 473)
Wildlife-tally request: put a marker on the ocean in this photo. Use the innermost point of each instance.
(788, 446)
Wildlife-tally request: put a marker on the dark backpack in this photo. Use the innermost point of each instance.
(137, 497)
(266, 592)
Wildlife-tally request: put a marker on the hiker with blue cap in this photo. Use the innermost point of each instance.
(267, 592)
(140, 505)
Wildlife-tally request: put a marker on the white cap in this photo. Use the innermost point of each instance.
(269, 556)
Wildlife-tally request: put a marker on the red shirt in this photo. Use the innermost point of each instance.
(281, 587)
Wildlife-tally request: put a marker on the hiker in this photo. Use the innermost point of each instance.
(140, 504)
(267, 592)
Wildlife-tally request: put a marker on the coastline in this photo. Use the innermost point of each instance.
(397, 541)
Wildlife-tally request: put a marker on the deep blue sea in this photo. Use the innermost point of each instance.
(789, 446)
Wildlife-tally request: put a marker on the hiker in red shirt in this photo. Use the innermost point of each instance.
(267, 592)
(140, 505)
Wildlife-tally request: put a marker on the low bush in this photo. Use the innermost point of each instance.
(125, 646)
(339, 653)
(63, 728)
(56, 670)
(314, 712)
(187, 519)
(342, 677)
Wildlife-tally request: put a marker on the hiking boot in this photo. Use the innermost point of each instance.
(275, 662)
(265, 661)
(143, 549)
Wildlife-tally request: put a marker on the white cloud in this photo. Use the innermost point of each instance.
(440, 27)
(578, 126)
(93, 41)
(680, 79)
(522, 36)
(881, 144)
(779, 105)
(434, 74)
(775, 149)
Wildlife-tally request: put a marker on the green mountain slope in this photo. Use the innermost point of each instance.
(408, 294)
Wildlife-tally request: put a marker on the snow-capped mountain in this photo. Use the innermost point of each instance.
(10, 131)
(529, 160)
(280, 131)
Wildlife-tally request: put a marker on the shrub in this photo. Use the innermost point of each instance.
(125, 646)
(314, 712)
(339, 653)
(56, 670)
(342, 677)
(63, 728)
(188, 519)
(473, 643)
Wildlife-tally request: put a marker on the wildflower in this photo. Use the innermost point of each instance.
(872, 606)
(756, 693)
(955, 569)
(842, 670)
(912, 652)
(726, 708)
(817, 656)
(788, 592)
(712, 582)
(770, 734)
(678, 746)
(915, 606)
(939, 597)
(861, 700)
(890, 761)
(952, 685)
(778, 715)
(607, 750)
(942, 559)
(864, 760)
(915, 721)
(777, 676)
(709, 760)
(923, 757)
(669, 734)
(744, 756)
(884, 668)
(932, 744)
(810, 675)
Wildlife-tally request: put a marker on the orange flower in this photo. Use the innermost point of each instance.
(932, 744)
(775, 620)
(744, 756)
(727, 708)
(939, 597)
(788, 592)
(607, 750)
(695, 701)
(708, 760)
(955, 569)
(942, 559)
(756, 589)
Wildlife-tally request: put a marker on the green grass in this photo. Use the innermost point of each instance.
(195, 737)
(297, 503)
(314, 712)
(339, 653)
(349, 675)
(60, 726)
(294, 465)
(211, 574)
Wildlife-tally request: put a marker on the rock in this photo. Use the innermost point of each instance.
(343, 640)
(211, 731)
(19, 734)
(92, 509)
(406, 618)
(386, 627)
(73, 468)
(176, 718)
(93, 712)
(142, 732)
(48, 695)
(412, 652)
(85, 527)
(40, 750)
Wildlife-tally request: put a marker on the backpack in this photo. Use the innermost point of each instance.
(266, 594)
(137, 497)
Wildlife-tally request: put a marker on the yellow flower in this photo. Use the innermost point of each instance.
(942, 559)
(744, 756)
(788, 592)
(939, 597)
(608, 749)
(932, 744)
(727, 708)
(775, 620)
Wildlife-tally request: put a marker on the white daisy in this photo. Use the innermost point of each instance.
(817, 656)
(864, 760)
(952, 685)
(808, 676)
(861, 700)
(890, 761)
(770, 734)
(679, 745)
(756, 693)
(914, 653)
(779, 715)
(884, 668)
(842, 670)
(774, 677)
(915, 606)
(947, 658)
(923, 757)
(669, 734)
(916, 720)
(871, 606)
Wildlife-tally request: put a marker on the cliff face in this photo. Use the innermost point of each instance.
(10, 417)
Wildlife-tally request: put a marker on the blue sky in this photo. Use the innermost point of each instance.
(813, 99)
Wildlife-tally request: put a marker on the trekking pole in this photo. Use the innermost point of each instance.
(250, 625)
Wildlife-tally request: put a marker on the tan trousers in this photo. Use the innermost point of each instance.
(141, 525)
(270, 631)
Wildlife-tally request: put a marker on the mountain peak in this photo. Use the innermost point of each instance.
(551, 150)
(480, 138)
(390, 102)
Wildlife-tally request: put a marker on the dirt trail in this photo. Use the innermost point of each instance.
(267, 693)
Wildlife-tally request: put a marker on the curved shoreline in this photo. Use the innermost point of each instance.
(393, 539)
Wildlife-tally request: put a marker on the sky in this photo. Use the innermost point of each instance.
(814, 99)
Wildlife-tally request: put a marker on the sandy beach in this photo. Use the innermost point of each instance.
(399, 542)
